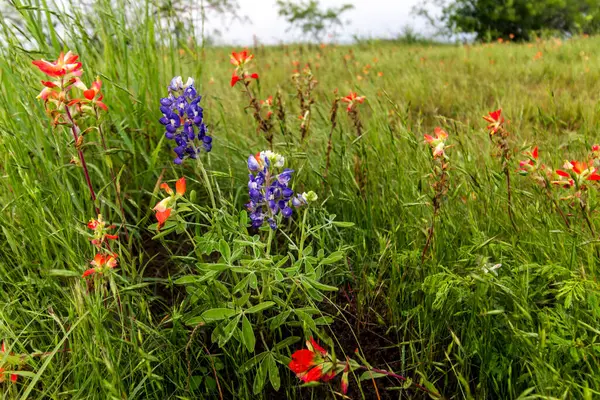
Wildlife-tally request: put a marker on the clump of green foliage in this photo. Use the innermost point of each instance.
(517, 19)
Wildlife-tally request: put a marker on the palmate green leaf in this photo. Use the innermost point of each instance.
(259, 307)
(248, 334)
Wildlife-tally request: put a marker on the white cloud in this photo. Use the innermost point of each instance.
(369, 18)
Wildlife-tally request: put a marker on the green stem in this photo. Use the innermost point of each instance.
(269, 241)
(303, 237)
(207, 182)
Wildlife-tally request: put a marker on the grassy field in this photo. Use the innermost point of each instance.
(528, 329)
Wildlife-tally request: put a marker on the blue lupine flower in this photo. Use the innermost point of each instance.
(183, 118)
(268, 190)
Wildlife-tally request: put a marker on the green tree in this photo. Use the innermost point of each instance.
(310, 18)
(492, 19)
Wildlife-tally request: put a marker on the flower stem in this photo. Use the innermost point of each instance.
(263, 125)
(113, 178)
(509, 191)
(333, 118)
(587, 219)
(82, 158)
(269, 241)
(303, 237)
(429, 237)
(207, 182)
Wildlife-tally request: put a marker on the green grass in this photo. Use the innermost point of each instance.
(530, 332)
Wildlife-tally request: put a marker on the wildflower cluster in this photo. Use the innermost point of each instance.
(360, 173)
(499, 136)
(437, 143)
(100, 230)
(165, 207)
(241, 73)
(305, 83)
(575, 174)
(105, 259)
(64, 76)
(440, 184)
(316, 364)
(101, 263)
(269, 192)
(183, 119)
(353, 99)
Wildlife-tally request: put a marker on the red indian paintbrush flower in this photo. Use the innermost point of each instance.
(576, 173)
(495, 120)
(437, 143)
(101, 263)
(352, 99)
(91, 95)
(235, 78)
(530, 164)
(306, 362)
(165, 206)
(100, 229)
(313, 363)
(241, 58)
(66, 66)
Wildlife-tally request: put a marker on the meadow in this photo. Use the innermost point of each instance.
(448, 285)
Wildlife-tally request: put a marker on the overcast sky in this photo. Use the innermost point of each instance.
(369, 18)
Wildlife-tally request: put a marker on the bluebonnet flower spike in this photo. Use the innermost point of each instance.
(183, 119)
(268, 190)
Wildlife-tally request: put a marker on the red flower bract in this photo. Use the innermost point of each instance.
(302, 360)
(162, 216)
(313, 375)
(235, 79)
(495, 120)
(66, 64)
(240, 58)
(180, 186)
(317, 347)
